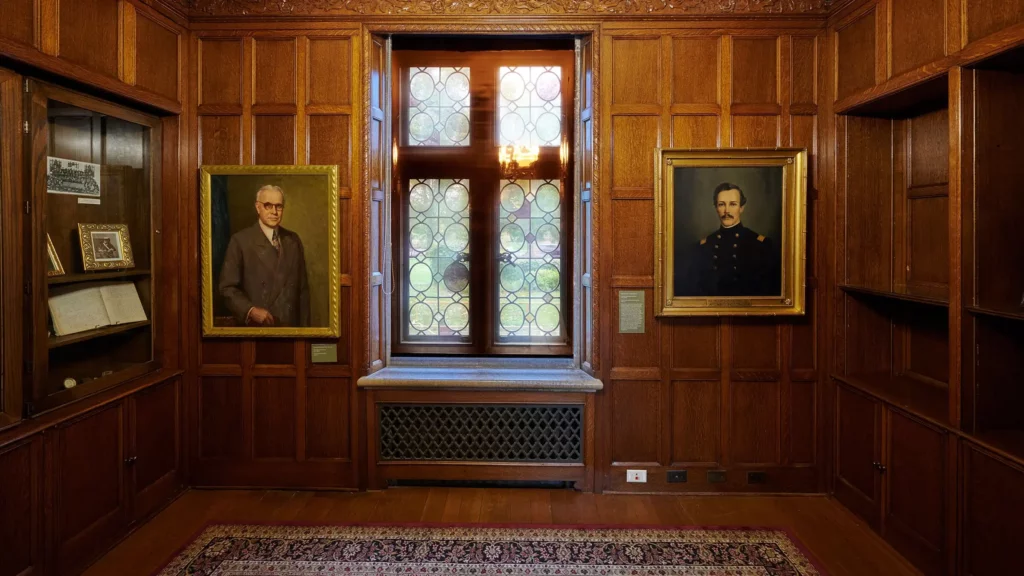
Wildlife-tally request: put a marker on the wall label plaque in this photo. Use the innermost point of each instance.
(631, 312)
(324, 353)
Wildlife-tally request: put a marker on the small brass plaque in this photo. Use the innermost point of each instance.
(631, 312)
(324, 353)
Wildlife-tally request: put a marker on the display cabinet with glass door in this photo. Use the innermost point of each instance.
(93, 231)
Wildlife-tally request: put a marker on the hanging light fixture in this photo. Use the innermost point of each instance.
(516, 160)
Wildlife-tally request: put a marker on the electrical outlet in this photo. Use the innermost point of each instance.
(716, 476)
(757, 477)
(636, 475)
(676, 476)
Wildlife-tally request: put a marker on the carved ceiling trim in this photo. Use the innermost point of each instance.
(504, 7)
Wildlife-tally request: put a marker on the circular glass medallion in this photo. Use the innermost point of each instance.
(512, 86)
(512, 238)
(421, 317)
(511, 278)
(421, 197)
(456, 277)
(420, 277)
(512, 128)
(421, 127)
(548, 278)
(456, 316)
(511, 317)
(512, 197)
(548, 86)
(457, 86)
(421, 86)
(547, 238)
(420, 237)
(549, 127)
(456, 127)
(547, 318)
(456, 237)
(456, 197)
(547, 197)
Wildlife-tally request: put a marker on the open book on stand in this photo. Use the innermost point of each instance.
(82, 309)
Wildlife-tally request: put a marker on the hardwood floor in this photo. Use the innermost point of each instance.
(842, 544)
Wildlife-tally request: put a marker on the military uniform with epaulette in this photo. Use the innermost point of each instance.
(732, 261)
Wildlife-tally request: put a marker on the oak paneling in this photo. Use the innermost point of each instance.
(327, 422)
(993, 515)
(156, 434)
(634, 139)
(754, 430)
(929, 149)
(18, 22)
(805, 64)
(696, 422)
(929, 251)
(275, 72)
(89, 34)
(636, 350)
(329, 71)
(636, 414)
(918, 33)
(636, 71)
(868, 195)
(220, 140)
(755, 78)
(803, 424)
(220, 65)
(803, 352)
(928, 346)
(695, 70)
(274, 139)
(633, 245)
(987, 16)
(273, 417)
(695, 131)
(755, 345)
(329, 144)
(274, 351)
(219, 351)
(20, 520)
(696, 343)
(858, 447)
(156, 57)
(221, 417)
(856, 55)
(755, 131)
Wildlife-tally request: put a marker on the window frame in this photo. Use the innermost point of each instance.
(478, 164)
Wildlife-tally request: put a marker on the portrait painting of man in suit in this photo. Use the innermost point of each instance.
(271, 260)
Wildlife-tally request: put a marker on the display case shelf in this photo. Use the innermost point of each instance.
(924, 399)
(58, 341)
(903, 297)
(94, 276)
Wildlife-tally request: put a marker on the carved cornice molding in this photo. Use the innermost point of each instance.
(504, 7)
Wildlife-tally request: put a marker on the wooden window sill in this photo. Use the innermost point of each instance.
(535, 375)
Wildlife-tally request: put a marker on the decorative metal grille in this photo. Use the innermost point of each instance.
(481, 433)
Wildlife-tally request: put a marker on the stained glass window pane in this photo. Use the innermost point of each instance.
(530, 105)
(437, 266)
(438, 113)
(530, 269)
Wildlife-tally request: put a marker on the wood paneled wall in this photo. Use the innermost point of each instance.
(731, 394)
(127, 47)
(260, 413)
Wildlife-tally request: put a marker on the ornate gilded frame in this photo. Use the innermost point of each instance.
(334, 255)
(794, 233)
(51, 254)
(89, 262)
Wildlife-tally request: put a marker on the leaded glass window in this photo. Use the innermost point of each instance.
(437, 264)
(530, 276)
(438, 113)
(530, 108)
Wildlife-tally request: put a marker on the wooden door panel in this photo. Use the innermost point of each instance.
(858, 448)
(20, 505)
(993, 494)
(89, 506)
(156, 447)
(915, 477)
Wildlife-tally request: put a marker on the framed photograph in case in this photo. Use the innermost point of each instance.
(105, 246)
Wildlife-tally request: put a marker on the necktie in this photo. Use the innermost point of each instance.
(276, 243)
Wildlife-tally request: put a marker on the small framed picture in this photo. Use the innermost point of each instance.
(105, 246)
(53, 266)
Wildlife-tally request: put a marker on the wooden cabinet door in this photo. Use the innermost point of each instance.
(916, 478)
(858, 452)
(89, 498)
(154, 460)
(20, 508)
(993, 496)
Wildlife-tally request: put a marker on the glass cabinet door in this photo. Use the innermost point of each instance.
(10, 237)
(94, 191)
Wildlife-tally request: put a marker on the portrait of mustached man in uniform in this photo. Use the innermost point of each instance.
(733, 260)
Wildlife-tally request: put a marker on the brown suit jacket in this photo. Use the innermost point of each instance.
(254, 273)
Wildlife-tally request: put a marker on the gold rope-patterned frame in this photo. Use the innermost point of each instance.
(334, 251)
(794, 233)
(89, 262)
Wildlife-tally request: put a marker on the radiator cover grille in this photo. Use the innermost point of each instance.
(481, 432)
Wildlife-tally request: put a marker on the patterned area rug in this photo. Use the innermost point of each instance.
(237, 550)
